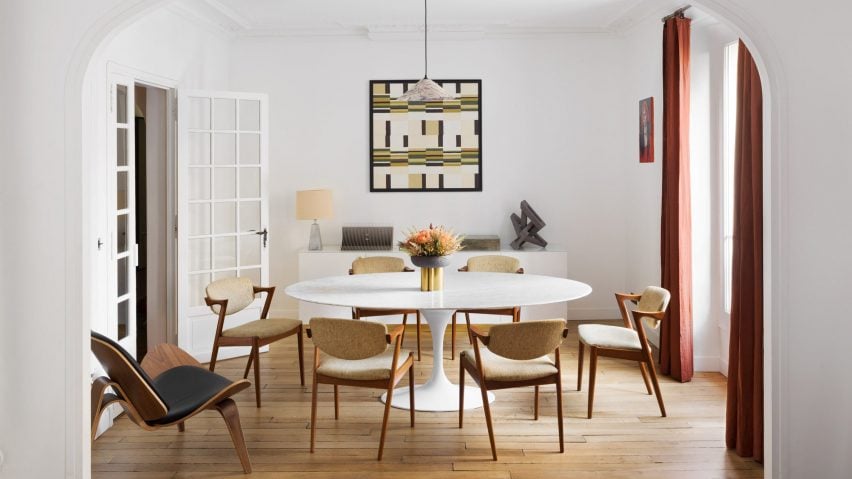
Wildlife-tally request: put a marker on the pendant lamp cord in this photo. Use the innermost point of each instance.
(425, 41)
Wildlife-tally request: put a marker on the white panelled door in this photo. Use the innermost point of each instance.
(121, 187)
(223, 207)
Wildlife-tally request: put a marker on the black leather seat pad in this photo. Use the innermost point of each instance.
(185, 388)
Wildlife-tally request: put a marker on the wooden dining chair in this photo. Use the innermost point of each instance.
(384, 264)
(169, 388)
(231, 295)
(626, 342)
(356, 354)
(493, 263)
(515, 355)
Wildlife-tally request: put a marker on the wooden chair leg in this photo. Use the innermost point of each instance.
(228, 409)
(404, 324)
(645, 377)
(580, 366)
(487, 408)
(453, 338)
(255, 350)
(301, 350)
(536, 404)
(656, 384)
(248, 365)
(181, 427)
(593, 366)
(461, 393)
(336, 404)
(559, 412)
(388, 400)
(314, 411)
(411, 390)
(467, 325)
(418, 335)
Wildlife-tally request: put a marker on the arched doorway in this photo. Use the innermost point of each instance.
(77, 202)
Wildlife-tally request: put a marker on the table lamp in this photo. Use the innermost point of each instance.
(314, 205)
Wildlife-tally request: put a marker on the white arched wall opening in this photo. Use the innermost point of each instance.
(79, 205)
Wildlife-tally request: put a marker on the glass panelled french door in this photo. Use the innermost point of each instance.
(122, 210)
(223, 205)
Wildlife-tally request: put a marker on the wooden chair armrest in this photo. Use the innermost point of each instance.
(406, 269)
(264, 289)
(216, 302)
(478, 331)
(393, 332)
(520, 271)
(463, 269)
(621, 297)
(308, 332)
(164, 357)
(564, 333)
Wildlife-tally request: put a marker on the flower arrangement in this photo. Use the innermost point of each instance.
(432, 241)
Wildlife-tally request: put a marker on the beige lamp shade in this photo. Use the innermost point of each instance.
(314, 205)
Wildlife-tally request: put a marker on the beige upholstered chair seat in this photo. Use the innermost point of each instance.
(610, 337)
(375, 367)
(262, 328)
(498, 368)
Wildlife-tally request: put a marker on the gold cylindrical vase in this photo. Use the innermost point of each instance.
(431, 279)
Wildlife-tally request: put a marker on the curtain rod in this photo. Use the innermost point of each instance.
(677, 13)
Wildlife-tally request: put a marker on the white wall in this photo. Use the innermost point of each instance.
(801, 49)
(551, 135)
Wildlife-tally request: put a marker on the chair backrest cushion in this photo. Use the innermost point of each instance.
(238, 291)
(378, 264)
(126, 372)
(526, 340)
(493, 263)
(349, 338)
(654, 298)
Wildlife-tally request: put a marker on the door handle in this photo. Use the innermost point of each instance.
(263, 233)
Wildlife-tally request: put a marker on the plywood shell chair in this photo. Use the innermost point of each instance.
(384, 264)
(490, 263)
(356, 354)
(628, 342)
(181, 388)
(515, 355)
(231, 295)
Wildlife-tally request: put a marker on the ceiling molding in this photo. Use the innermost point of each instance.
(641, 12)
(238, 21)
(193, 16)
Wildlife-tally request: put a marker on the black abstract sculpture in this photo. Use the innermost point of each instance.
(527, 227)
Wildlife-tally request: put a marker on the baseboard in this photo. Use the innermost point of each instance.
(723, 367)
(579, 314)
(706, 364)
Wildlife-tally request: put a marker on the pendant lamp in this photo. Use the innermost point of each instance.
(426, 89)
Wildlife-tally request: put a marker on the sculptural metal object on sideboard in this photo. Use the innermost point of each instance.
(527, 227)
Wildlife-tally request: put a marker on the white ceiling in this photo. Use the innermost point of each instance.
(329, 17)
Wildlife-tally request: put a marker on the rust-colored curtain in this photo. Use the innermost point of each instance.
(676, 222)
(744, 425)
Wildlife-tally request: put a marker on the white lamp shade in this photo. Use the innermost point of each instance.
(314, 205)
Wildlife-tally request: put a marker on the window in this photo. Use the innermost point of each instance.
(729, 138)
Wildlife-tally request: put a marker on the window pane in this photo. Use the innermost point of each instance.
(249, 149)
(199, 183)
(197, 284)
(199, 219)
(199, 148)
(249, 216)
(225, 183)
(199, 113)
(121, 104)
(226, 252)
(121, 147)
(253, 274)
(122, 272)
(225, 114)
(199, 254)
(250, 250)
(225, 218)
(249, 115)
(225, 148)
(121, 190)
(250, 182)
(123, 319)
(121, 233)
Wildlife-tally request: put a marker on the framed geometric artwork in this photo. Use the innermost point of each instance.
(646, 130)
(425, 146)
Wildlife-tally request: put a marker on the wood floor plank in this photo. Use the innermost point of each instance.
(626, 438)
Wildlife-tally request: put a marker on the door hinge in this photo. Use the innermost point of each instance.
(100, 244)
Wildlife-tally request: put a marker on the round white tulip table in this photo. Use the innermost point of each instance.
(461, 291)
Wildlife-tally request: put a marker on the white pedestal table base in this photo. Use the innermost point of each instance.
(438, 393)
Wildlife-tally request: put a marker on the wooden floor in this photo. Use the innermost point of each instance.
(626, 438)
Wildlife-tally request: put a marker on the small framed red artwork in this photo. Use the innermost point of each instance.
(646, 130)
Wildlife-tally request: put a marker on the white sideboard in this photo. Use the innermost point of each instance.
(330, 261)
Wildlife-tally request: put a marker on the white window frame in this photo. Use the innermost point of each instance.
(729, 138)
